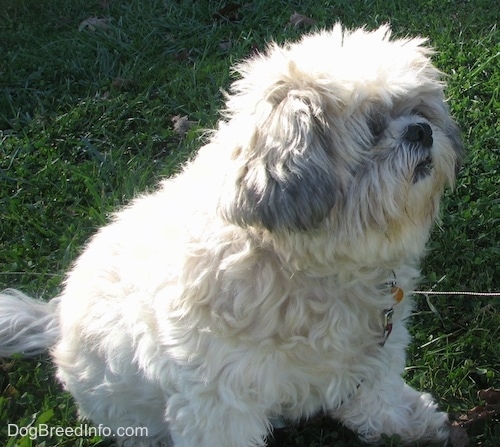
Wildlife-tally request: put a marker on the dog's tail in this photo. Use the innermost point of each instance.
(27, 326)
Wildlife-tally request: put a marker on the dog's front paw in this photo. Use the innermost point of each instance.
(426, 423)
(410, 414)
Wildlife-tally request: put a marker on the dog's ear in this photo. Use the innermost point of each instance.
(287, 176)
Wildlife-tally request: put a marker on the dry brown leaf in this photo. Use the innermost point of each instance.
(10, 391)
(297, 19)
(123, 84)
(490, 396)
(182, 124)
(482, 412)
(230, 12)
(94, 23)
(477, 416)
(182, 55)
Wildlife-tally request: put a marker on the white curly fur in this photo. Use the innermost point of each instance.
(253, 285)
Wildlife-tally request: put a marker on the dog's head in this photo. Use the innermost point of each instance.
(348, 130)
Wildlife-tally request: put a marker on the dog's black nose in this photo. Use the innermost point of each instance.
(419, 133)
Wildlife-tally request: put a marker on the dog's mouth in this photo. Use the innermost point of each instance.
(423, 169)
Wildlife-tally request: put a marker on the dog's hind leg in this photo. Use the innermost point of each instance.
(122, 403)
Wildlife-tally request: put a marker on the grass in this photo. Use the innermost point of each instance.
(86, 124)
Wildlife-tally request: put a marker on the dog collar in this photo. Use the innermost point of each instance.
(387, 314)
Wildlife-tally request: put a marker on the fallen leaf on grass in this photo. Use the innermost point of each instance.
(297, 20)
(491, 396)
(123, 84)
(230, 12)
(94, 23)
(482, 412)
(475, 417)
(10, 391)
(182, 55)
(182, 124)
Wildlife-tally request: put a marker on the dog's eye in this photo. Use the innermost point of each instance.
(422, 112)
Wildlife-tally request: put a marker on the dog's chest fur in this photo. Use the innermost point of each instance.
(293, 344)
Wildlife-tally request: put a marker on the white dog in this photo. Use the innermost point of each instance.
(272, 277)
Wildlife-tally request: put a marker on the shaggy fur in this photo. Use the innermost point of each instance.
(254, 285)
